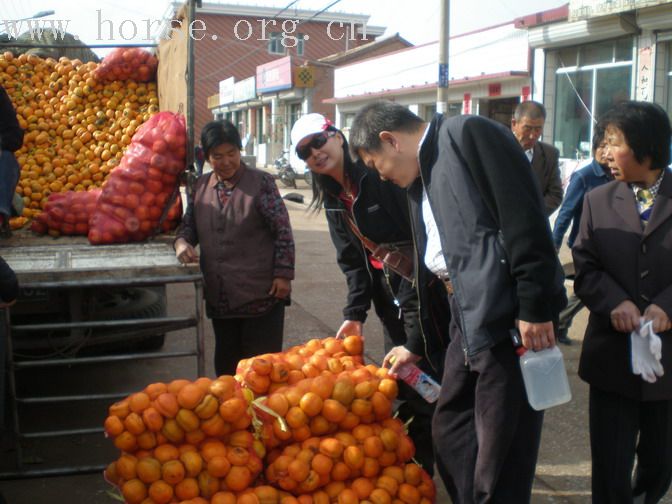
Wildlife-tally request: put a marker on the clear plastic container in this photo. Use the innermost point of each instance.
(420, 381)
(545, 377)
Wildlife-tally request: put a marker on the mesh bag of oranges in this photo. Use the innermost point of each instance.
(126, 63)
(67, 213)
(317, 430)
(139, 190)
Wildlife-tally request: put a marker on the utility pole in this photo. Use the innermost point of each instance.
(444, 37)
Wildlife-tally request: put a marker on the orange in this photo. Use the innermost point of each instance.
(409, 494)
(127, 466)
(232, 409)
(190, 395)
(412, 474)
(322, 464)
(238, 478)
(212, 448)
(187, 489)
(278, 403)
(380, 496)
(354, 345)
(334, 411)
(353, 456)
(165, 452)
(311, 404)
(218, 466)
(224, 387)
(298, 470)
(148, 470)
(223, 498)
(348, 496)
(192, 462)
(362, 487)
(161, 492)
(331, 447)
(134, 491)
(172, 472)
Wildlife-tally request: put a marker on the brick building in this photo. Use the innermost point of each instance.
(238, 38)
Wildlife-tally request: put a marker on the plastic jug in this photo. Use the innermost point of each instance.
(544, 376)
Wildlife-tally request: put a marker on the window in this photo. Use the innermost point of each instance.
(589, 81)
(300, 44)
(294, 113)
(275, 44)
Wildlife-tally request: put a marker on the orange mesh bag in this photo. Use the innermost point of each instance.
(67, 213)
(127, 63)
(136, 195)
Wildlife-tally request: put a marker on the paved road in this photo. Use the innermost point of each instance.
(563, 473)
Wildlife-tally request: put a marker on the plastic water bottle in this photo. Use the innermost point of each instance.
(544, 375)
(423, 384)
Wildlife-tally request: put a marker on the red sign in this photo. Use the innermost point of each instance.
(466, 103)
(495, 89)
(525, 95)
(275, 75)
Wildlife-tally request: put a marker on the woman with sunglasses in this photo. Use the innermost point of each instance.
(365, 213)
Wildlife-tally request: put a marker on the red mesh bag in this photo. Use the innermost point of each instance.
(67, 213)
(139, 190)
(127, 63)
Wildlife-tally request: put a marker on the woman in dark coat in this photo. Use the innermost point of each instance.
(624, 277)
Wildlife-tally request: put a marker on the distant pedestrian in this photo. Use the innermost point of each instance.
(527, 125)
(583, 180)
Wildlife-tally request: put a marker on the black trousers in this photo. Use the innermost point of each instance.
(615, 424)
(412, 404)
(244, 337)
(486, 434)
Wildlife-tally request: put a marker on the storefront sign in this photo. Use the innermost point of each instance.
(244, 90)
(226, 91)
(644, 74)
(525, 93)
(466, 103)
(495, 89)
(586, 9)
(275, 75)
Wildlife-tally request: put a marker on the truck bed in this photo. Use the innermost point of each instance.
(43, 261)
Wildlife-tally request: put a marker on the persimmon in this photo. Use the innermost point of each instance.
(298, 470)
(412, 474)
(207, 407)
(192, 462)
(296, 417)
(340, 472)
(348, 496)
(167, 404)
(409, 494)
(152, 419)
(126, 442)
(207, 485)
(113, 426)
(320, 426)
(353, 456)
(224, 387)
(212, 448)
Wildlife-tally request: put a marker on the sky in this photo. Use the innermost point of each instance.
(415, 20)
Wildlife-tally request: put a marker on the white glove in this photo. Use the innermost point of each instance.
(646, 352)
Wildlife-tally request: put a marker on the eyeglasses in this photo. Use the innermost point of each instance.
(317, 142)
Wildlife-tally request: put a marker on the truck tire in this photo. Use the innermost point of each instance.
(133, 303)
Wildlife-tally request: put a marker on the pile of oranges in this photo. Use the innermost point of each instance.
(322, 439)
(76, 127)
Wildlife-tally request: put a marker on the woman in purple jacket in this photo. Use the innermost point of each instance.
(239, 220)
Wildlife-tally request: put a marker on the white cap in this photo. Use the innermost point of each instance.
(307, 125)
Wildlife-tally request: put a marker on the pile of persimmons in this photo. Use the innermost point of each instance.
(311, 425)
(77, 125)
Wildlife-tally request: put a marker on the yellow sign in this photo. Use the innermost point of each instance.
(304, 77)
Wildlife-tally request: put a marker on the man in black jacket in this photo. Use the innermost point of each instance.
(480, 227)
(11, 139)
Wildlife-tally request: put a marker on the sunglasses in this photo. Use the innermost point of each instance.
(317, 142)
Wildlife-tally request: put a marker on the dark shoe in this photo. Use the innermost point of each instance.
(563, 338)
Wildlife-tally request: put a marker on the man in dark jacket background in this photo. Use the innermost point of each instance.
(480, 227)
(527, 125)
(11, 139)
